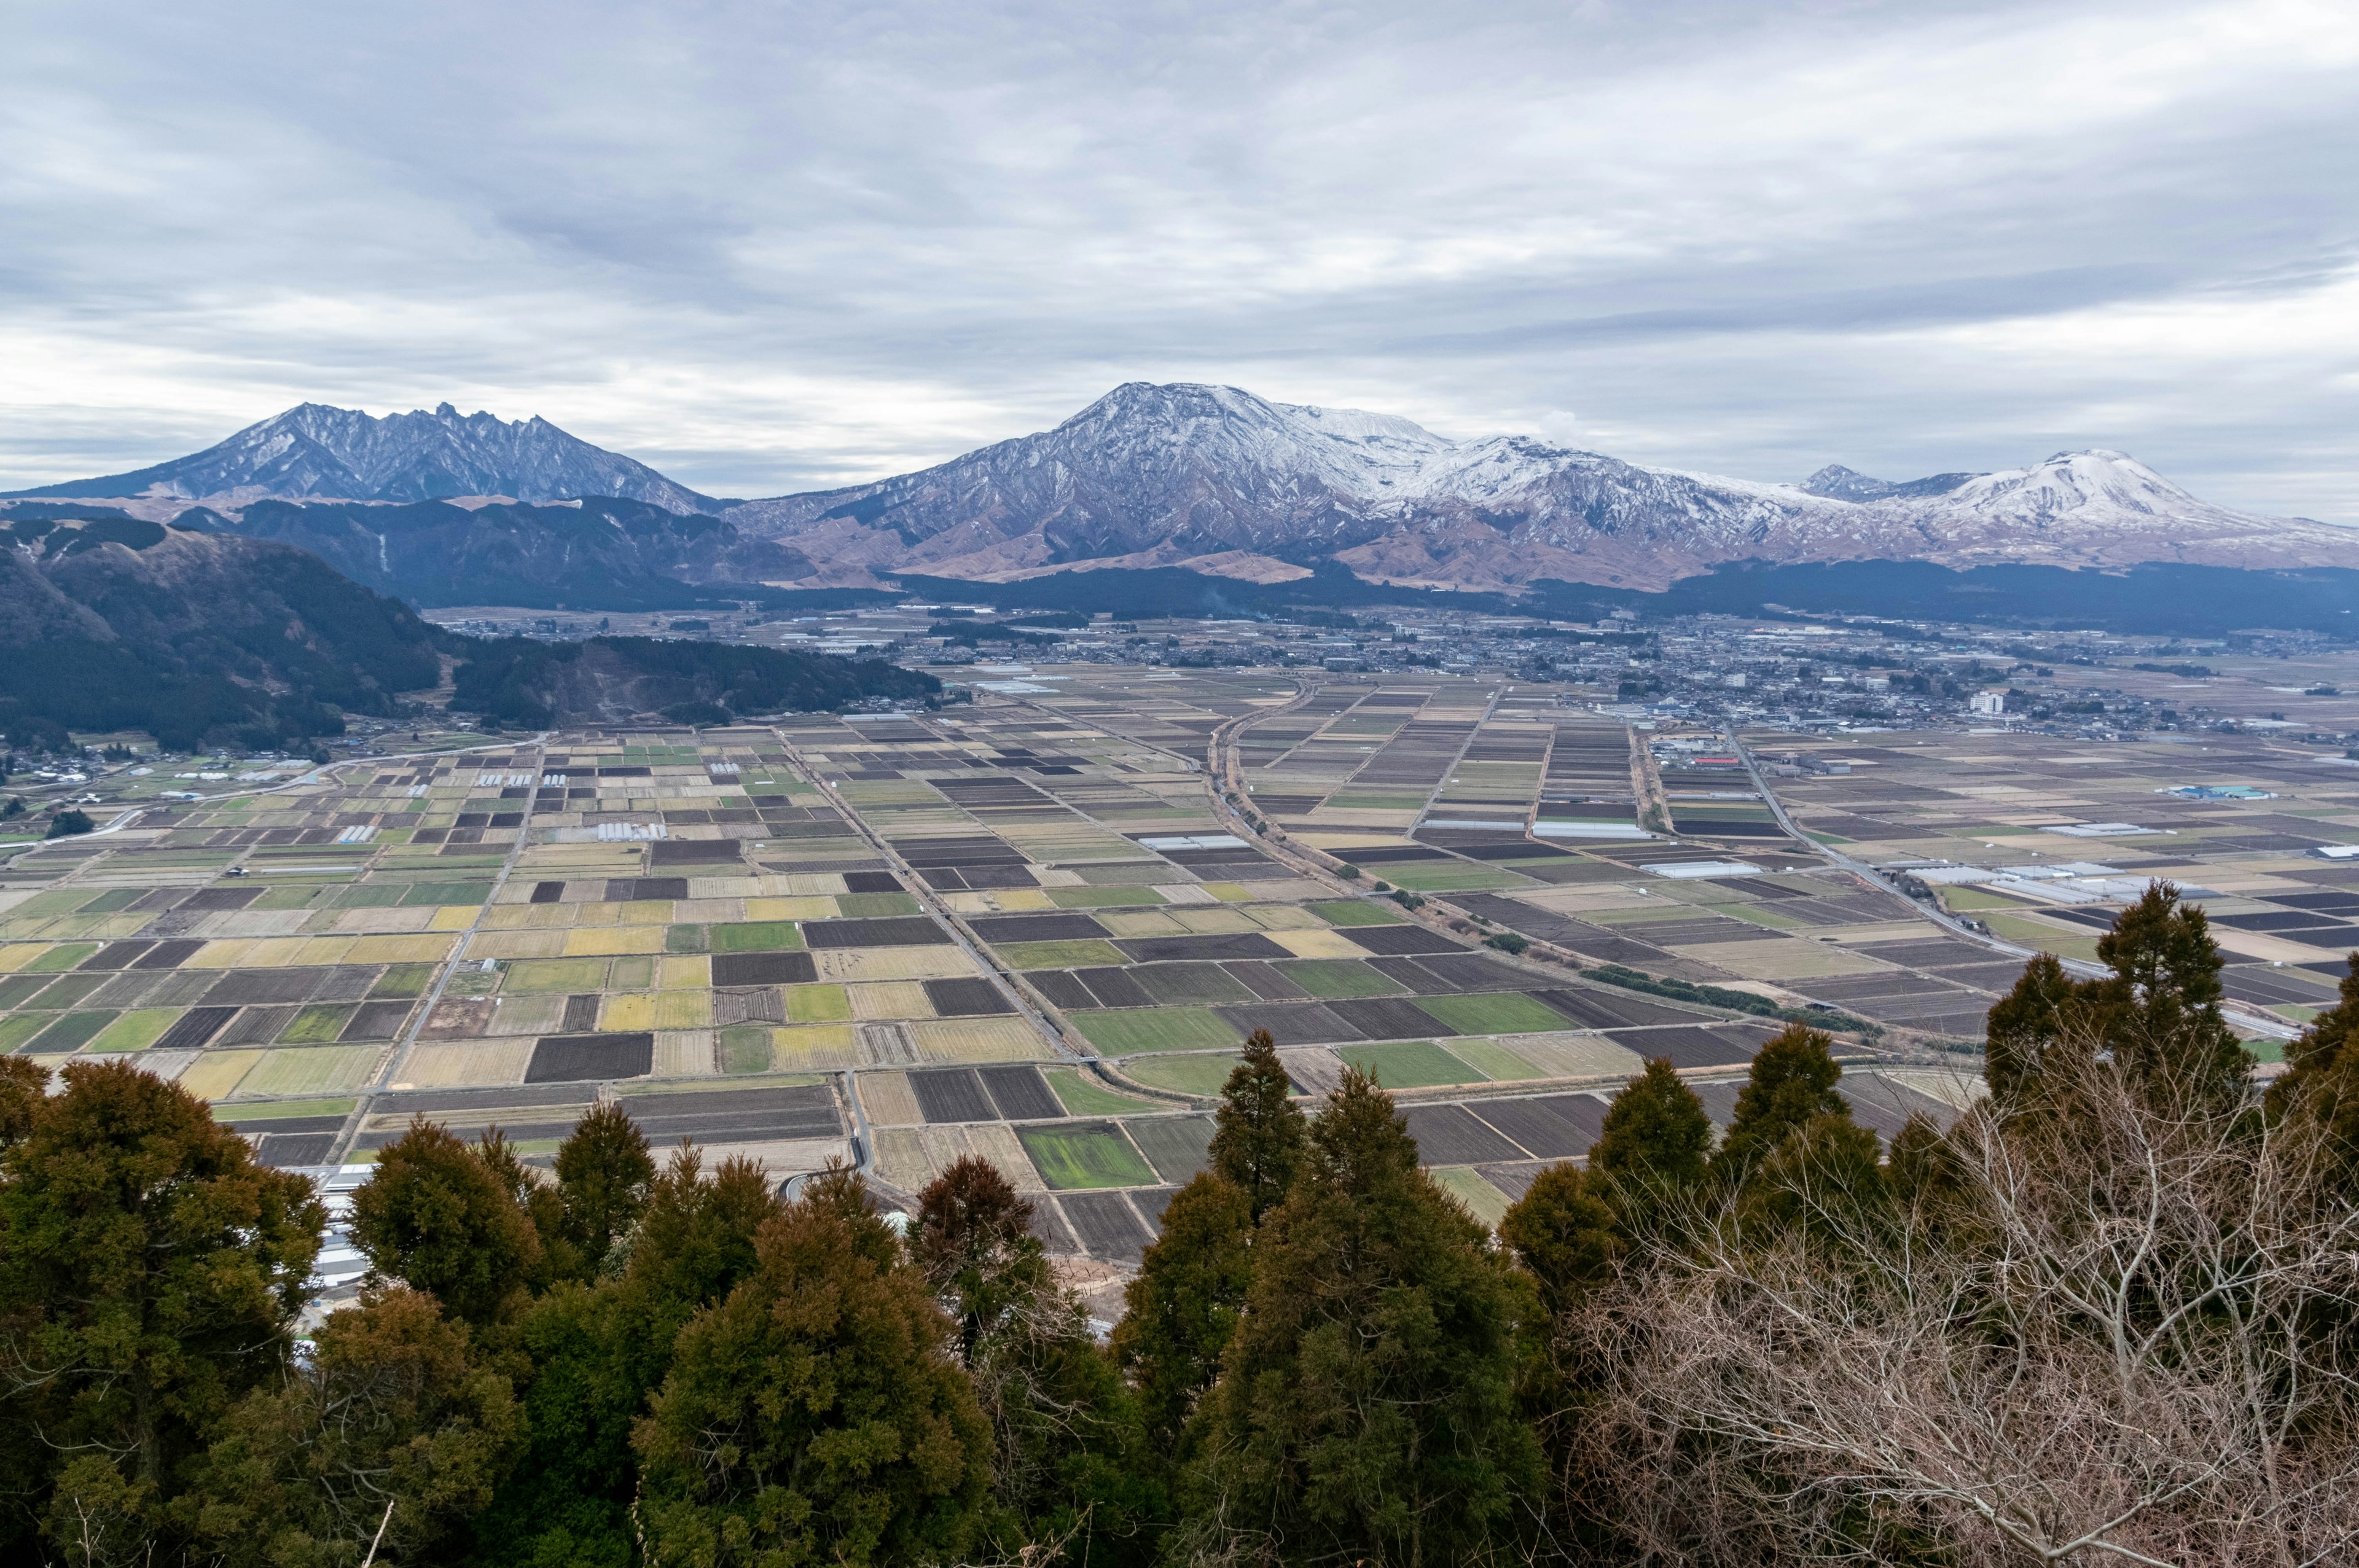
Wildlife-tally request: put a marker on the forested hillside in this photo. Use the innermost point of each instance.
(2106, 1316)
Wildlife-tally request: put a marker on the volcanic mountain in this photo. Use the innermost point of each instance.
(314, 450)
(1217, 478)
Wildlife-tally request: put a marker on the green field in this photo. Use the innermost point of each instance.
(295, 1107)
(1409, 1065)
(1337, 978)
(874, 905)
(403, 980)
(755, 936)
(1354, 912)
(745, 1048)
(71, 1033)
(1191, 1075)
(1118, 1034)
(318, 1024)
(1085, 1154)
(1083, 1095)
(818, 1004)
(135, 1031)
(1499, 1012)
(555, 975)
(1494, 1060)
(1484, 1201)
(1077, 953)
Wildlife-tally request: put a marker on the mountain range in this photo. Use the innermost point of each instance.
(1209, 478)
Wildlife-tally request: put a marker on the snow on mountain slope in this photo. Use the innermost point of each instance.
(1161, 474)
(315, 451)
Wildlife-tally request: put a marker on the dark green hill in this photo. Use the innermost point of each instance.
(115, 624)
(598, 554)
(610, 679)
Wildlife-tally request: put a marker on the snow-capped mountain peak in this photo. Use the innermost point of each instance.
(314, 450)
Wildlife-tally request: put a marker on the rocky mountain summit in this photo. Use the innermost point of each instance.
(315, 451)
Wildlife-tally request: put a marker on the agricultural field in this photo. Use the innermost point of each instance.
(1015, 930)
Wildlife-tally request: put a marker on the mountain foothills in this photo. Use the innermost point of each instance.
(129, 625)
(201, 636)
(1211, 478)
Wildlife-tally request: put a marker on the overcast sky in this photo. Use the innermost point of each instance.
(770, 246)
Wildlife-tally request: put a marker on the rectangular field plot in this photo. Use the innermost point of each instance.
(1156, 1029)
(1410, 1064)
(965, 997)
(1019, 1093)
(1083, 1095)
(583, 1059)
(1106, 1225)
(763, 969)
(1497, 1012)
(1485, 1202)
(1549, 1127)
(1199, 1073)
(1452, 1135)
(1339, 978)
(1179, 1146)
(951, 1094)
(889, 1100)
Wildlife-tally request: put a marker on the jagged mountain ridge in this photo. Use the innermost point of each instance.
(1217, 478)
(316, 451)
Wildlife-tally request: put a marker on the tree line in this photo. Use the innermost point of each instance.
(2106, 1315)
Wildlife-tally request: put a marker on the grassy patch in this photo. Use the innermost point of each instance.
(1194, 1074)
(403, 980)
(757, 936)
(1503, 1012)
(874, 905)
(1410, 1064)
(1353, 911)
(1494, 1060)
(555, 975)
(818, 1004)
(1081, 1095)
(135, 1031)
(1484, 1201)
(1333, 977)
(687, 939)
(2034, 934)
(1085, 1154)
(66, 956)
(317, 1025)
(1078, 953)
(1120, 1033)
(745, 1048)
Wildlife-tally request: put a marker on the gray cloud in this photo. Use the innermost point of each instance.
(768, 247)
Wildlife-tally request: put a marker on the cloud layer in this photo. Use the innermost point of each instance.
(772, 247)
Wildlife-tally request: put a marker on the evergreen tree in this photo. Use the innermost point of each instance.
(1184, 1305)
(1656, 1135)
(434, 1214)
(1793, 1079)
(1567, 1237)
(1366, 1406)
(603, 1172)
(2157, 1015)
(1257, 1141)
(149, 1276)
(815, 1416)
(2320, 1085)
(392, 1425)
(1068, 1453)
(2026, 1026)
(597, 1353)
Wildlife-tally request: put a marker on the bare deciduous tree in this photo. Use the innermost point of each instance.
(2112, 1326)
